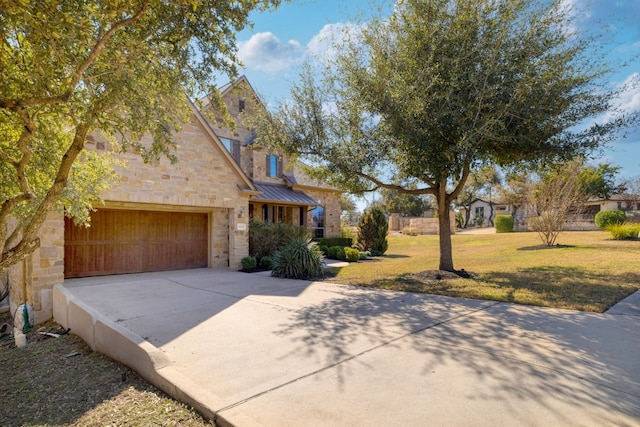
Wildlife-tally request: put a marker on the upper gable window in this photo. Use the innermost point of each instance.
(233, 147)
(228, 144)
(241, 105)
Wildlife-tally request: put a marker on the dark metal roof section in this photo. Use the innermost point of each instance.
(282, 194)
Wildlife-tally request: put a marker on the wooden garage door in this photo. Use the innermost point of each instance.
(135, 241)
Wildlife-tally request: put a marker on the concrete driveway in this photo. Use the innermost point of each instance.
(250, 350)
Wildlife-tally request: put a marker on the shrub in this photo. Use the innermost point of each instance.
(300, 259)
(503, 223)
(606, 218)
(624, 231)
(365, 255)
(351, 254)
(324, 250)
(408, 232)
(372, 230)
(249, 263)
(334, 241)
(266, 262)
(336, 252)
(265, 238)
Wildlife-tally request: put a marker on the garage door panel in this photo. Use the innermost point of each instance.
(136, 241)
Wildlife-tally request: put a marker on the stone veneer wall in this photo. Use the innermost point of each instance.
(418, 225)
(40, 271)
(202, 180)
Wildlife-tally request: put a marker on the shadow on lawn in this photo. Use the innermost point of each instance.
(565, 287)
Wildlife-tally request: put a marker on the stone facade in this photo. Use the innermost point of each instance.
(240, 98)
(209, 177)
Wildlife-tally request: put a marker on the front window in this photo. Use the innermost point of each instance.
(317, 221)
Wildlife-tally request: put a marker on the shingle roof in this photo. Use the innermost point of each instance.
(282, 194)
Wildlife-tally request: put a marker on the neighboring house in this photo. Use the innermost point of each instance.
(483, 213)
(623, 202)
(191, 214)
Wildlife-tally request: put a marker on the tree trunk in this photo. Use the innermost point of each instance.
(444, 228)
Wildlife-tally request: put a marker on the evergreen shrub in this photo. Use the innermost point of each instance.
(372, 231)
(606, 218)
(503, 223)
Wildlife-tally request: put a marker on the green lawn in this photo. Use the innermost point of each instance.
(589, 271)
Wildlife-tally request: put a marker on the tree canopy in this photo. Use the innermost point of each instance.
(124, 69)
(600, 181)
(404, 204)
(440, 87)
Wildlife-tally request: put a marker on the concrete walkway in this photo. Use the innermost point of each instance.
(252, 350)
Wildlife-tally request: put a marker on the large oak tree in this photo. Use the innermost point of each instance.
(123, 68)
(440, 87)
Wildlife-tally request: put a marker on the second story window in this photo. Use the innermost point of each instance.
(241, 106)
(273, 166)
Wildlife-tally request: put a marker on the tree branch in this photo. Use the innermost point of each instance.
(79, 73)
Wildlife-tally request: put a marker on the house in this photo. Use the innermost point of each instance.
(482, 213)
(581, 219)
(191, 214)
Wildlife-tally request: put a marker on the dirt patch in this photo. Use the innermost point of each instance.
(437, 276)
(61, 381)
(540, 247)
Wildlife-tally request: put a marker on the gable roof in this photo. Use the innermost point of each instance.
(227, 156)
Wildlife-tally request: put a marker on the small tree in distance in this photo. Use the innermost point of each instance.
(372, 231)
(558, 194)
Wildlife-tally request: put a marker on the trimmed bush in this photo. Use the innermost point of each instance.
(334, 241)
(351, 254)
(372, 231)
(266, 262)
(265, 238)
(503, 223)
(606, 218)
(324, 250)
(624, 231)
(336, 252)
(248, 263)
(300, 259)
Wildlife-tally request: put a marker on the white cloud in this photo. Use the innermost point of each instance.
(322, 45)
(266, 52)
(630, 95)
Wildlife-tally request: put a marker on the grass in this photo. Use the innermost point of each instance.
(587, 271)
(61, 382)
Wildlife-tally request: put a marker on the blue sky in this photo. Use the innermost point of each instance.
(273, 50)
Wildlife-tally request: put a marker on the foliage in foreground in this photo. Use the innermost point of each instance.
(121, 69)
(299, 259)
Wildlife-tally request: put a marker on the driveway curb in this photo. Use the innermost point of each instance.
(107, 337)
